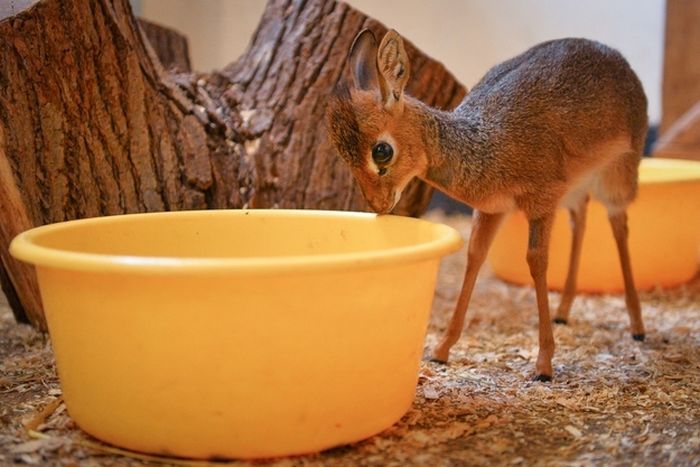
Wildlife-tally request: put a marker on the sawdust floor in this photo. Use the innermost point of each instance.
(614, 401)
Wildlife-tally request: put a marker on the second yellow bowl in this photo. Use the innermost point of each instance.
(664, 236)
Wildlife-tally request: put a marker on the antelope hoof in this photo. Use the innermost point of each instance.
(543, 378)
(558, 320)
(440, 356)
(638, 337)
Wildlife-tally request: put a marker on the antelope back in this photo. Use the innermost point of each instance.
(557, 111)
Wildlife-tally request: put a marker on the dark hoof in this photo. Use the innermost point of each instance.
(543, 378)
(438, 360)
(559, 321)
(638, 337)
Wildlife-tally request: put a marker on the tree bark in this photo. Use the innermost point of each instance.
(92, 124)
(681, 79)
(679, 132)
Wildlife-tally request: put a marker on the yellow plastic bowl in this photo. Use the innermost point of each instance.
(664, 236)
(237, 334)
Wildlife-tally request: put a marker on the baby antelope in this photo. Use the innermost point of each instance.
(563, 121)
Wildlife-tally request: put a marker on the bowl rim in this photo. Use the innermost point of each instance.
(692, 175)
(24, 247)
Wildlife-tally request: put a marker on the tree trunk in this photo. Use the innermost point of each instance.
(679, 132)
(681, 79)
(91, 123)
(682, 139)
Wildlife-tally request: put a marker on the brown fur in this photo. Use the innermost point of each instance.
(563, 120)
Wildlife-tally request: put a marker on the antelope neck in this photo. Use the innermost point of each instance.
(456, 150)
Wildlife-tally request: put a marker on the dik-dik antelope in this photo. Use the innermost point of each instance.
(564, 120)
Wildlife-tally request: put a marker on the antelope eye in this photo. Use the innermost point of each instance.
(382, 153)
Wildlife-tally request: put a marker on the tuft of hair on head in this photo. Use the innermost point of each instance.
(341, 90)
(341, 120)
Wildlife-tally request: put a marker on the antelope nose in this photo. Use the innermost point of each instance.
(381, 207)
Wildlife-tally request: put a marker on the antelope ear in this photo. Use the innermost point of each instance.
(363, 61)
(394, 69)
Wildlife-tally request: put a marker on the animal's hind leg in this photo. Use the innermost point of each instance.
(577, 213)
(537, 257)
(618, 221)
(616, 189)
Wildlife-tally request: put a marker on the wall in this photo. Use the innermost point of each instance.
(468, 36)
(218, 31)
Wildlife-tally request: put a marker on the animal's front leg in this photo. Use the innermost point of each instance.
(537, 257)
(484, 228)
